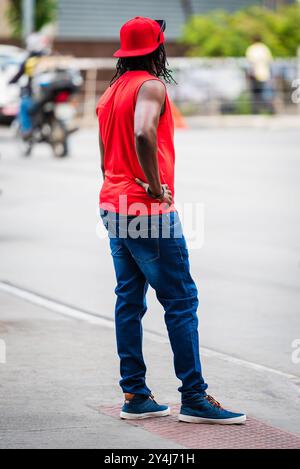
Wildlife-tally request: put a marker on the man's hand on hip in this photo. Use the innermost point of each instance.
(165, 196)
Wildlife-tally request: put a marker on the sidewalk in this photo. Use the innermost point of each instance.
(59, 390)
(272, 122)
(229, 121)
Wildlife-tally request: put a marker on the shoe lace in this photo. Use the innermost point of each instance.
(213, 402)
(152, 398)
(127, 401)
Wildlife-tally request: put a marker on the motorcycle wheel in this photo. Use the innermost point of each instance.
(59, 142)
(25, 145)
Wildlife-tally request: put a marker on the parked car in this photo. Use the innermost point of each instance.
(10, 59)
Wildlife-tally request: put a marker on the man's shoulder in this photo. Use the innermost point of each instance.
(152, 86)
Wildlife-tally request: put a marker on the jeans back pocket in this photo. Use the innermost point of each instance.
(144, 248)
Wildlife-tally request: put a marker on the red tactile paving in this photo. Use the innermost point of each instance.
(254, 434)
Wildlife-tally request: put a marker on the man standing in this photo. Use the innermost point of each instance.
(260, 60)
(146, 239)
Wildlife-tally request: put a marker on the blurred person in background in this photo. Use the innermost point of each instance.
(38, 45)
(260, 59)
(137, 158)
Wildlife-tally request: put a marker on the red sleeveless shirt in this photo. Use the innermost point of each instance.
(115, 110)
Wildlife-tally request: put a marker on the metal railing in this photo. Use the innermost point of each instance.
(205, 86)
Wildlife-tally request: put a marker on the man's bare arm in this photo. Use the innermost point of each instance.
(150, 102)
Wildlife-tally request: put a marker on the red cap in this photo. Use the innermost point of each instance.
(139, 36)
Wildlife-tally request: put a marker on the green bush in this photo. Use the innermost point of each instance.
(224, 34)
(45, 12)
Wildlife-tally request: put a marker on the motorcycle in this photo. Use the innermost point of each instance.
(51, 111)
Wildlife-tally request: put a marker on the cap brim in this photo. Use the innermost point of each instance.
(136, 52)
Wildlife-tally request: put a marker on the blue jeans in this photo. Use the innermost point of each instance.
(157, 257)
(25, 119)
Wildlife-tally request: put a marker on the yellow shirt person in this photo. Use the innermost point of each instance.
(260, 59)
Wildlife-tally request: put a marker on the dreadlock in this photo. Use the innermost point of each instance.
(154, 63)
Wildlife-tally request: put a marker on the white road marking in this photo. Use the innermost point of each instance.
(254, 366)
(69, 311)
(93, 318)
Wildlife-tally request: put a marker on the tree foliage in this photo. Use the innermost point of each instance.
(45, 12)
(224, 34)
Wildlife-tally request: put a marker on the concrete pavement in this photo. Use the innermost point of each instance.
(60, 381)
(57, 372)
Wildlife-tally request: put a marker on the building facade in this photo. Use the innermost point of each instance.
(91, 27)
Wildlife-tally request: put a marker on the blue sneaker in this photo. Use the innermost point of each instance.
(205, 409)
(142, 407)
